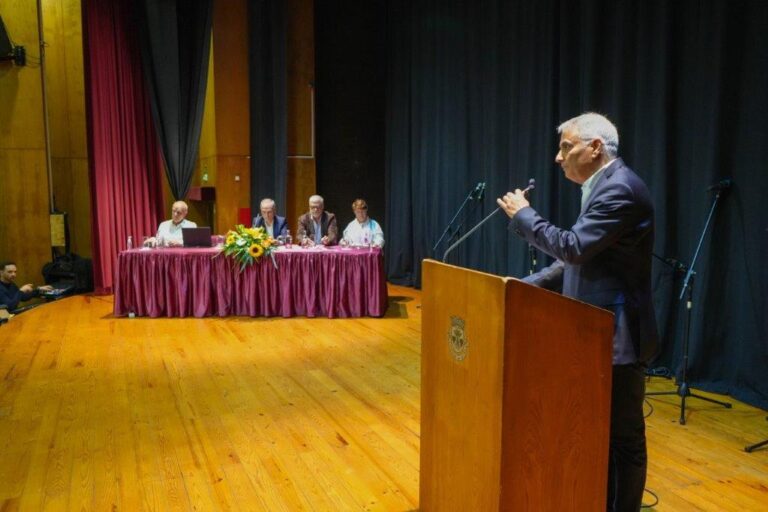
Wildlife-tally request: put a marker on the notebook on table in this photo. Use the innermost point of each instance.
(196, 237)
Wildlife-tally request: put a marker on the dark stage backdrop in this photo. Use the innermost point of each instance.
(476, 90)
(267, 73)
(350, 52)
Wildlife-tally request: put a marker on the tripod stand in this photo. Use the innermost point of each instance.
(753, 447)
(683, 388)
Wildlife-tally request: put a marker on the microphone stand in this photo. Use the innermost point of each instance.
(457, 242)
(469, 197)
(753, 447)
(683, 388)
(531, 259)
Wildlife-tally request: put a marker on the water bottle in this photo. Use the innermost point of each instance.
(288, 239)
(130, 242)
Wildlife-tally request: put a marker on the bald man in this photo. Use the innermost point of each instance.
(169, 231)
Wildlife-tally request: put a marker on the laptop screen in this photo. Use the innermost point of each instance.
(196, 237)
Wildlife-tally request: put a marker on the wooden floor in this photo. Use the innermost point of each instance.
(98, 413)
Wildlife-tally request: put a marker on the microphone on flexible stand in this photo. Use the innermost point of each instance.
(478, 192)
(721, 185)
(531, 186)
(475, 194)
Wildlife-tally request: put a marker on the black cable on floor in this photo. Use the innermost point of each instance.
(654, 497)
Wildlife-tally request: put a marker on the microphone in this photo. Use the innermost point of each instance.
(721, 185)
(531, 186)
(677, 265)
(479, 191)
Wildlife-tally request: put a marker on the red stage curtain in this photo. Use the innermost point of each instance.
(125, 161)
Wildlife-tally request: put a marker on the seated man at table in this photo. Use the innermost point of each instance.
(363, 231)
(10, 294)
(269, 220)
(169, 231)
(318, 226)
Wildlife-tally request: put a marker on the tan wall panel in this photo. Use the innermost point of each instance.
(301, 179)
(65, 78)
(25, 230)
(301, 73)
(65, 87)
(208, 128)
(230, 43)
(56, 78)
(301, 185)
(21, 111)
(231, 194)
(73, 54)
(71, 186)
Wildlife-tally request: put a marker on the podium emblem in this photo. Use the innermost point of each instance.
(457, 338)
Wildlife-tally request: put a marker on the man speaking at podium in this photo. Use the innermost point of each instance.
(604, 259)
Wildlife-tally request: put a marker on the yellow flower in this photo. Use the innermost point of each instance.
(267, 242)
(255, 251)
(230, 238)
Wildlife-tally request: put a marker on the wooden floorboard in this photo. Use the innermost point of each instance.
(101, 413)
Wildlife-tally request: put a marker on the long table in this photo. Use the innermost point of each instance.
(176, 282)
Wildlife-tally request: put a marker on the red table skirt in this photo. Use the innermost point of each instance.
(201, 282)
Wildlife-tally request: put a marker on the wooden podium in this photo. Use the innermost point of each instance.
(515, 396)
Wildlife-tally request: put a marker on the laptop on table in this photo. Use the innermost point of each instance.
(196, 237)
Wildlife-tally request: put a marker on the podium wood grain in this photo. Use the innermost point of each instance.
(522, 422)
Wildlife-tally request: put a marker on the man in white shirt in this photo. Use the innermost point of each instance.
(363, 231)
(169, 231)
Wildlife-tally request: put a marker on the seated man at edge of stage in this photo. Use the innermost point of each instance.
(10, 294)
(604, 259)
(363, 230)
(318, 226)
(169, 231)
(269, 220)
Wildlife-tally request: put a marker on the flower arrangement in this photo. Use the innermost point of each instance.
(247, 245)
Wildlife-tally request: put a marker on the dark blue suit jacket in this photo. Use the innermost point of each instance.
(605, 258)
(280, 227)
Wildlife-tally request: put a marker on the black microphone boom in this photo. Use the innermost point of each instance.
(721, 185)
(531, 186)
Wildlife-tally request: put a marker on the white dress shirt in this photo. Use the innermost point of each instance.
(587, 186)
(169, 231)
(357, 233)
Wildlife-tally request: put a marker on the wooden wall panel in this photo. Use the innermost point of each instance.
(25, 229)
(71, 188)
(301, 185)
(65, 87)
(233, 185)
(230, 42)
(301, 76)
(302, 181)
(21, 113)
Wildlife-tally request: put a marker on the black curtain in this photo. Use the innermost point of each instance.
(476, 90)
(176, 40)
(268, 81)
(350, 76)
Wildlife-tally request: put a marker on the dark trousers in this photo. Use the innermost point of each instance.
(627, 456)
